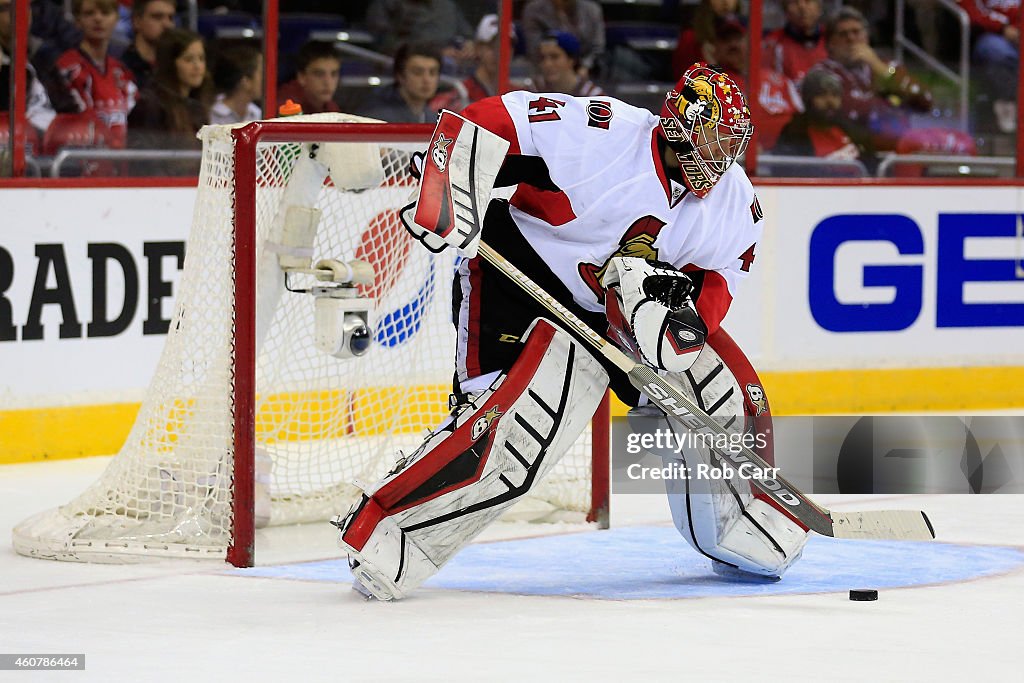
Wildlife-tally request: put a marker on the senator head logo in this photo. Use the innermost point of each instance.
(482, 423)
(757, 398)
(439, 154)
(698, 101)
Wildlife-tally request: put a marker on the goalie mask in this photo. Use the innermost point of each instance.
(706, 123)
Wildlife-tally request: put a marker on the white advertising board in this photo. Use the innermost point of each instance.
(87, 284)
(846, 277)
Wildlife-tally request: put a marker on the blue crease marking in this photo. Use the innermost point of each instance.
(654, 562)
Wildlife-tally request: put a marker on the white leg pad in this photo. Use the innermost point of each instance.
(721, 519)
(478, 464)
(384, 551)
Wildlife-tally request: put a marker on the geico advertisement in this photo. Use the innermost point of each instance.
(87, 285)
(902, 277)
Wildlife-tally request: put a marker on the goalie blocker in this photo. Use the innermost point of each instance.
(489, 454)
(457, 176)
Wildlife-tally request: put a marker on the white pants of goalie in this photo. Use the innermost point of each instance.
(491, 452)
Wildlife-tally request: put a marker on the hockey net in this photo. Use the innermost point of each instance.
(242, 427)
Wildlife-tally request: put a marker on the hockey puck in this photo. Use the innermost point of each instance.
(863, 594)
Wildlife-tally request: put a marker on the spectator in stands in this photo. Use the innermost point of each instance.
(822, 130)
(38, 109)
(800, 43)
(317, 73)
(558, 61)
(582, 18)
(400, 22)
(996, 53)
(102, 87)
(417, 69)
(238, 78)
(51, 35)
(877, 94)
(777, 96)
(51, 26)
(695, 40)
(150, 18)
(176, 104)
(484, 80)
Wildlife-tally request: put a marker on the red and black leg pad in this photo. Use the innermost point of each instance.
(487, 456)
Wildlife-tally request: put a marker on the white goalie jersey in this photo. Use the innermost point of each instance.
(598, 189)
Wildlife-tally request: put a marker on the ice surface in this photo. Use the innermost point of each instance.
(558, 602)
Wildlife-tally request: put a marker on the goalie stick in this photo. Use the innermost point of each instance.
(911, 525)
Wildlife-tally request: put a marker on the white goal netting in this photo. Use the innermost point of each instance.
(321, 424)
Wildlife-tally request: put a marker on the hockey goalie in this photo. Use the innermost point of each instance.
(642, 226)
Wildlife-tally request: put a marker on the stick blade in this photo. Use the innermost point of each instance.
(901, 525)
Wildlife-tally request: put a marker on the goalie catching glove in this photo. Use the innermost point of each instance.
(457, 176)
(651, 315)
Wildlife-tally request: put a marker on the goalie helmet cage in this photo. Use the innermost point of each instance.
(188, 481)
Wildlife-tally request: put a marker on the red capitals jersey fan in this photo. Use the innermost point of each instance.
(603, 192)
(108, 90)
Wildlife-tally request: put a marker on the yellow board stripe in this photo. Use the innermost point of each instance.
(66, 432)
(907, 390)
(895, 390)
(52, 433)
